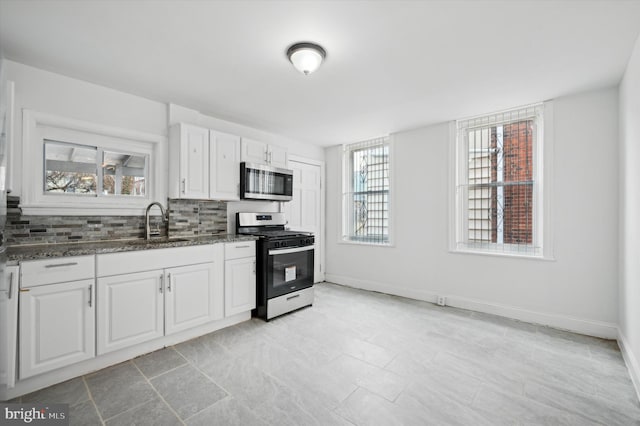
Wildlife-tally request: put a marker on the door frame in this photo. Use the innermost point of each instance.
(321, 236)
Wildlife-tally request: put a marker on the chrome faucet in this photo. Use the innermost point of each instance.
(165, 219)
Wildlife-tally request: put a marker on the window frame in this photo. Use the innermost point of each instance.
(542, 176)
(39, 127)
(347, 188)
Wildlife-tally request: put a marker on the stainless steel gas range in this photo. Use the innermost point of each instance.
(284, 272)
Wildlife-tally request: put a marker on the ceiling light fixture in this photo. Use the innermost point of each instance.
(306, 57)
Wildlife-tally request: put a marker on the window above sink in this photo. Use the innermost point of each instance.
(71, 167)
(92, 171)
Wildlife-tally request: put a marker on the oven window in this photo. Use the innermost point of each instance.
(289, 272)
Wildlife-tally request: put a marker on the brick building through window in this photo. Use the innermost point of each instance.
(497, 181)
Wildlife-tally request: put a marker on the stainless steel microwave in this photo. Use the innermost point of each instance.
(261, 182)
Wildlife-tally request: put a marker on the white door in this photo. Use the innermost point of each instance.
(278, 157)
(9, 326)
(304, 211)
(194, 296)
(194, 162)
(130, 309)
(239, 285)
(57, 326)
(254, 151)
(225, 166)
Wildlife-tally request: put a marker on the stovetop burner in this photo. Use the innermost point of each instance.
(270, 228)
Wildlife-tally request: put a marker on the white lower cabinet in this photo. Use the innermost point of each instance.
(193, 296)
(57, 326)
(120, 300)
(130, 309)
(239, 278)
(8, 326)
(138, 306)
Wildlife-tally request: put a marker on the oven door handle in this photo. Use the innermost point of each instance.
(291, 250)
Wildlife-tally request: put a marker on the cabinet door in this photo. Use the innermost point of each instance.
(193, 296)
(130, 309)
(225, 166)
(278, 157)
(254, 151)
(8, 325)
(239, 285)
(194, 162)
(57, 326)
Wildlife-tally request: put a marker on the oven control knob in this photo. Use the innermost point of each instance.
(283, 244)
(276, 244)
(309, 241)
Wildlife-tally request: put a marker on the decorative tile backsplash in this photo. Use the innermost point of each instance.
(190, 218)
(187, 218)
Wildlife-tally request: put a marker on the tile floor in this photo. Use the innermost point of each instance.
(362, 358)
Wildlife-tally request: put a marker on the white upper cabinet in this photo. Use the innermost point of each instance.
(254, 151)
(261, 153)
(203, 163)
(224, 183)
(278, 157)
(189, 162)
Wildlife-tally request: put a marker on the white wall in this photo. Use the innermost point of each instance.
(630, 215)
(52, 93)
(577, 291)
(56, 94)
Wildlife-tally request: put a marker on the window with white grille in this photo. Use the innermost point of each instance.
(366, 192)
(498, 182)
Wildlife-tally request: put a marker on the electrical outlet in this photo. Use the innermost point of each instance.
(442, 301)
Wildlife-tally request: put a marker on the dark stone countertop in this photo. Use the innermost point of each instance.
(16, 254)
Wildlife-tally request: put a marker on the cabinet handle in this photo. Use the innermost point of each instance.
(293, 297)
(243, 246)
(58, 265)
(184, 185)
(270, 157)
(90, 295)
(161, 282)
(266, 156)
(10, 284)
(254, 267)
(169, 283)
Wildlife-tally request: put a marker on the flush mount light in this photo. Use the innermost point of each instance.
(306, 57)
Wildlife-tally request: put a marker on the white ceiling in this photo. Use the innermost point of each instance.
(390, 65)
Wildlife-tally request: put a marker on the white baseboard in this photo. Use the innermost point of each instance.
(577, 325)
(630, 359)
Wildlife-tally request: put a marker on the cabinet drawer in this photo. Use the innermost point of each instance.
(149, 260)
(239, 250)
(58, 270)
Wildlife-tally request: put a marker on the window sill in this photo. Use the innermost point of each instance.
(365, 244)
(507, 254)
(78, 210)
